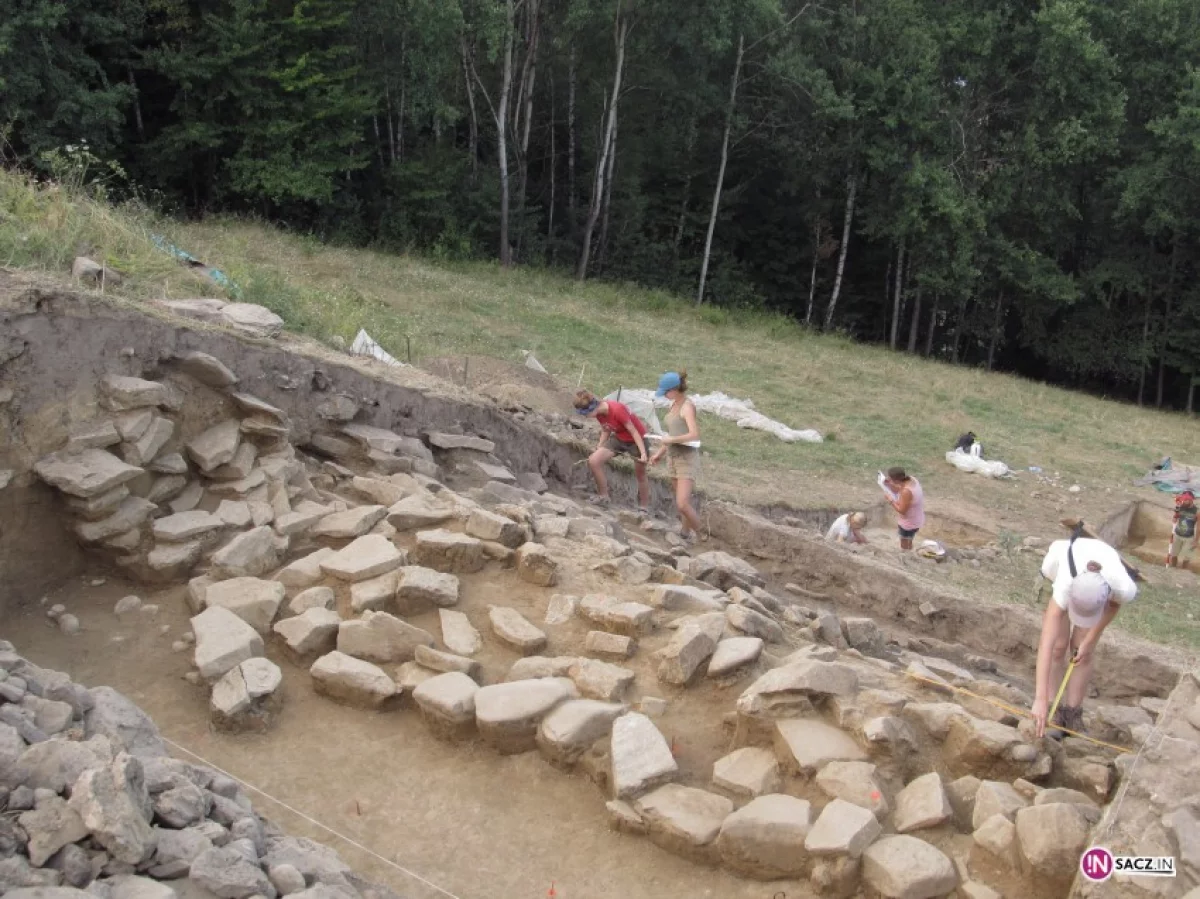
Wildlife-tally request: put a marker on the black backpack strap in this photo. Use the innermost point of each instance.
(1071, 556)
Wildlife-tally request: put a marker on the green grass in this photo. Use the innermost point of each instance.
(876, 408)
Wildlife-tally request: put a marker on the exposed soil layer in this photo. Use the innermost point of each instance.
(1143, 529)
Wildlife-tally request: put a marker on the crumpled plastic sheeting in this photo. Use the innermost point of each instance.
(970, 463)
(365, 345)
(741, 412)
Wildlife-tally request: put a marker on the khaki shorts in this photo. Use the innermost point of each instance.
(683, 463)
(620, 447)
(1184, 548)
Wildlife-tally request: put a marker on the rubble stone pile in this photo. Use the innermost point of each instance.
(94, 806)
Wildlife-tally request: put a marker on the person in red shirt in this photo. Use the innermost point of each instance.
(621, 433)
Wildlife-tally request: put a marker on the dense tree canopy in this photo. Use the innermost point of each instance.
(1005, 183)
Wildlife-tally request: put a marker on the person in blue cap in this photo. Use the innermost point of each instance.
(621, 433)
(683, 460)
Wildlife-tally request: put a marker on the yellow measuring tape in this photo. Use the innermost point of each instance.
(1062, 688)
(1020, 713)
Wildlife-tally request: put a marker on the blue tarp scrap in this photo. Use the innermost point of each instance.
(216, 275)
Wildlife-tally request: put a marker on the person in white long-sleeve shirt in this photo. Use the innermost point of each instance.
(1090, 584)
(847, 528)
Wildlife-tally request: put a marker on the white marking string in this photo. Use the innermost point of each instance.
(312, 821)
(1128, 778)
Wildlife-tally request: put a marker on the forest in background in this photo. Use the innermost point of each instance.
(1007, 184)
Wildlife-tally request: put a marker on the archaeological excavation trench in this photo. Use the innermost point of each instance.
(386, 605)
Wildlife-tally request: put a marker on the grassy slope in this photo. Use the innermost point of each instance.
(878, 408)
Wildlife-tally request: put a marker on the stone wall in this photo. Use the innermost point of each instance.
(1157, 810)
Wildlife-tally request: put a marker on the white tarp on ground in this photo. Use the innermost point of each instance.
(972, 463)
(365, 345)
(741, 412)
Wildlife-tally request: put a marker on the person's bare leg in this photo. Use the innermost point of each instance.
(596, 462)
(683, 502)
(643, 482)
(906, 542)
(1077, 688)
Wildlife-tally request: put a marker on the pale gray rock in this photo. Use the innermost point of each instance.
(352, 681)
(223, 641)
(903, 867)
(508, 715)
(765, 838)
(639, 756)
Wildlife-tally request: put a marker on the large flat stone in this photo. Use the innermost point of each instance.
(380, 637)
(250, 554)
(351, 523)
(996, 798)
(419, 588)
(843, 828)
(487, 525)
(85, 474)
(903, 867)
(208, 370)
(754, 624)
(223, 641)
(447, 551)
(792, 688)
(447, 703)
(130, 515)
(216, 446)
(120, 393)
(514, 629)
(366, 557)
(749, 771)
(765, 838)
(921, 804)
(458, 634)
(508, 715)
(572, 728)
(376, 594)
(1052, 837)
(684, 820)
(806, 745)
(311, 633)
(628, 618)
(601, 680)
(536, 565)
(679, 598)
(854, 782)
(681, 659)
(304, 572)
(639, 756)
(143, 450)
(419, 510)
(352, 681)
(733, 654)
(255, 601)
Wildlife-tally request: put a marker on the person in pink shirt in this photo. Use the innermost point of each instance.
(905, 494)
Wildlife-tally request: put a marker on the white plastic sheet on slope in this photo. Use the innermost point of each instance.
(971, 463)
(741, 412)
(365, 345)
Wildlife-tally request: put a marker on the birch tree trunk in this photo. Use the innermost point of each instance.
(716, 203)
(608, 187)
(915, 321)
(898, 292)
(851, 190)
(621, 32)
(473, 121)
(502, 135)
(812, 277)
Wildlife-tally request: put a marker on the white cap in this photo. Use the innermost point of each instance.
(1086, 598)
